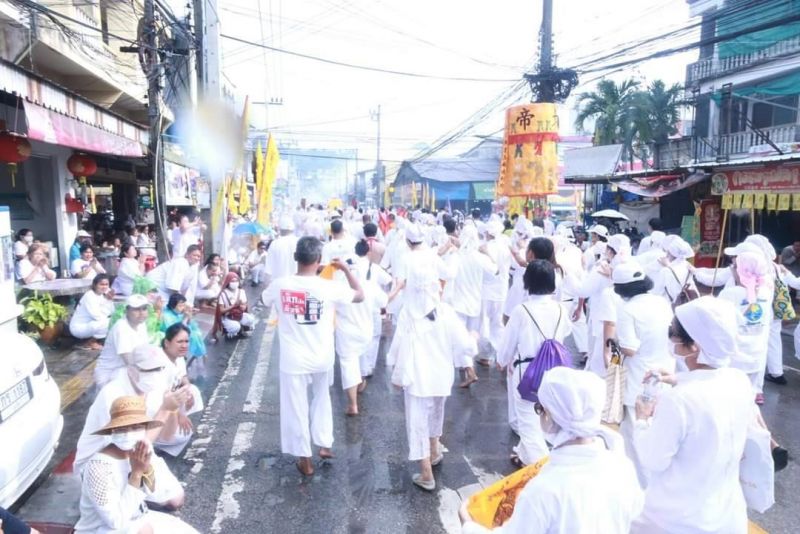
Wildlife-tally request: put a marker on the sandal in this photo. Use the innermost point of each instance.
(516, 461)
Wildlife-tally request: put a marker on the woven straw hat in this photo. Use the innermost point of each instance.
(128, 411)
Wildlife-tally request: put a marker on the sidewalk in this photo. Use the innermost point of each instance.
(52, 508)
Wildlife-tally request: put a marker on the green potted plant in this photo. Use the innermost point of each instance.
(45, 315)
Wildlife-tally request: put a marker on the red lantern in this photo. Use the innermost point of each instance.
(81, 165)
(14, 148)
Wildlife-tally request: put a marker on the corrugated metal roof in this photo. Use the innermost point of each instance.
(450, 170)
(591, 161)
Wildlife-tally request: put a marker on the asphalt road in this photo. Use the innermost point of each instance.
(238, 481)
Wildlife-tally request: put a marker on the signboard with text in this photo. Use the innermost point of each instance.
(774, 178)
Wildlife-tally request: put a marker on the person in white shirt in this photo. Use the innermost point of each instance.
(35, 267)
(24, 240)
(538, 318)
(598, 234)
(208, 283)
(131, 267)
(341, 245)
(232, 316)
(142, 377)
(186, 234)
(643, 320)
(305, 305)
(524, 231)
(429, 342)
(588, 485)
(145, 245)
(474, 264)
(126, 334)
(675, 273)
(495, 286)
(121, 476)
(93, 313)
(87, 265)
(649, 256)
(374, 282)
(652, 241)
(692, 438)
(179, 275)
(280, 254)
(256, 264)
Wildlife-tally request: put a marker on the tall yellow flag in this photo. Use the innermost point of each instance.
(259, 166)
(413, 195)
(232, 205)
(244, 197)
(268, 181)
(433, 199)
(219, 207)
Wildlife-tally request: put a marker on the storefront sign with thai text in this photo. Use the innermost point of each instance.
(778, 178)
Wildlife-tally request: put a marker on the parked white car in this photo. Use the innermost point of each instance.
(30, 415)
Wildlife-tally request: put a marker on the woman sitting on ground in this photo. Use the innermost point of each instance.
(118, 478)
(177, 311)
(92, 317)
(131, 267)
(35, 267)
(232, 316)
(87, 265)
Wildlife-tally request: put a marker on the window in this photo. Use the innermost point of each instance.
(708, 30)
(775, 113)
(701, 115)
(733, 116)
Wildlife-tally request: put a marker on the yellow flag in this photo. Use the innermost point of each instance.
(413, 195)
(259, 165)
(386, 196)
(233, 207)
(433, 199)
(219, 207)
(268, 181)
(244, 197)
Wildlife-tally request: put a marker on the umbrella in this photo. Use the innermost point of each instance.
(250, 227)
(610, 214)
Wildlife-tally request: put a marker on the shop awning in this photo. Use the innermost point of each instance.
(660, 185)
(483, 190)
(594, 164)
(54, 128)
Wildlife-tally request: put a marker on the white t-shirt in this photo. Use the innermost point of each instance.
(495, 286)
(343, 249)
(421, 270)
(754, 321)
(122, 339)
(305, 306)
(183, 240)
(176, 275)
(129, 269)
(468, 285)
(92, 307)
(280, 257)
(20, 248)
(79, 264)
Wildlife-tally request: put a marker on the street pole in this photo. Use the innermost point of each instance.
(376, 115)
(546, 47)
(549, 83)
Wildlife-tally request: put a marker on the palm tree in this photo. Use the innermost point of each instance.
(609, 105)
(657, 113)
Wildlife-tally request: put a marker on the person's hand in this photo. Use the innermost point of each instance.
(644, 409)
(175, 399)
(139, 458)
(110, 294)
(576, 315)
(337, 263)
(189, 403)
(185, 424)
(604, 269)
(663, 376)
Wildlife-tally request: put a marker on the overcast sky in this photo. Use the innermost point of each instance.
(328, 106)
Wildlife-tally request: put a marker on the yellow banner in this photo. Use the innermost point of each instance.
(747, 201)
(784, 201)
(727, 201)
(413, 195)
(244, 197)
(758, 201)
(529, 165)
(233, 207)
(737, 200)
(796, 201)
(772, 201)
(268, 181)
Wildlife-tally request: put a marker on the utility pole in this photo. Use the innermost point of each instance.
(379, 178)
(550, 84)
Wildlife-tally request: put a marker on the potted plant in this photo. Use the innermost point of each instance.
(44, 314)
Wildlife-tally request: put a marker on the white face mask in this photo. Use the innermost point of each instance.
(126, 441)
(28, 239)
(234, 285)
(149, 382)
(550, 430)
(674, 352)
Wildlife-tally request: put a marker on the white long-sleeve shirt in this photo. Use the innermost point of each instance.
(692, 449)
(705, 276)
(583, 489)
(670, 280)
(129, 269)
(92, 307)
(468, 284)
(280, 257)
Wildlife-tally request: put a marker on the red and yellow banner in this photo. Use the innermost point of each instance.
(529, 165)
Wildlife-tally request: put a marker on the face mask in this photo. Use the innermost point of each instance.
(674, 352)
(126, 441)
(234, 285)
(28, 239)
(150, 382)
(550, 430)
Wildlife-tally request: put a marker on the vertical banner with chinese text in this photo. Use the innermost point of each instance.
(529, 164)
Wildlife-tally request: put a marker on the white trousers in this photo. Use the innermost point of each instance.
(493, 315)
(424, 420)
(207, 294)
(370, 356)
(513, 418)
(175, 445)
(580, 329)
(626, 429)
(473, 324)
(531, 447)
(596, 361)
(299, 424)
(775, 350)
(232, 327)
(167, 486)
(93, 329)
(258, 273)
(349, 365)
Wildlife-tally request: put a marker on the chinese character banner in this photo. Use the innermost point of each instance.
(529, 165)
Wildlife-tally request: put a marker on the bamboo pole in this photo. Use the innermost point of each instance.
(719, 250)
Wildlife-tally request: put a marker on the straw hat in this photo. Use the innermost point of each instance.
(128, 411)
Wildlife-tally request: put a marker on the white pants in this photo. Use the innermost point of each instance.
(797, 342)
(370, 356)
(513, 418)
(350, 368)
(493, 314)
(473, 324)
(775, 350)
(232, 327)
(424, 420)
(596, 362)
(626, 429)
(580, 329)
(531, 447)
(207, 294)
(93, 329)
(167, 486)
(296, 437)
(258, 273)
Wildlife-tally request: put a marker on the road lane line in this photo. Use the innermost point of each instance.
(227, 505)
(259, 381)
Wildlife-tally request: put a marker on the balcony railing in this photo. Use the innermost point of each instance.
(715, 67)
(678, 152)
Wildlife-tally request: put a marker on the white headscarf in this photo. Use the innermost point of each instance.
(469, 238)
(679, 249)
(524, 228)
(765, 246)
(711, 322)
(574, 399)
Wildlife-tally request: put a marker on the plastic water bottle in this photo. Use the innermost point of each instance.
(650, 390)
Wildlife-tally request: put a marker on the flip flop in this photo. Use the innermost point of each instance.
(436, 461)
(427, 485)
(326, 455)
(305, 472)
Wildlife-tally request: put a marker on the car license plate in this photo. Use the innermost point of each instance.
(15, 398)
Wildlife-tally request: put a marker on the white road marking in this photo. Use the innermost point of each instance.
(227, 505)
(256, 392)
(208, 423)
(485, 478)
(449, 504)
(791, 368)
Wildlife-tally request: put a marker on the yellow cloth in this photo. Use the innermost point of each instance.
(529, 164)
(268, 177)
(493, 506)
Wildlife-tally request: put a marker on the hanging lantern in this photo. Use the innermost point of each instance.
(14, 148)
(81, 166)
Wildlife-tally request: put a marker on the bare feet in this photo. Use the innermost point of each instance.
(92, 344)
(484, 362)
(470, 379)
(325, 453)
(351, 411)
(305, 466)
(362, 386)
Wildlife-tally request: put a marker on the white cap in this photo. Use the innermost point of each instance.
(494, 228)
(414, 234)
(678, 248)
(763, 243)
(286, 222)
(574, 399)
(657, 237)
(627, 272)
(711, 322)
(137, 301)
(148, 357)
(619, 243)
(742, 247)
(599, 229)
(84, 233)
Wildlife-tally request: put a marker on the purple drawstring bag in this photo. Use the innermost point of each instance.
(551, 354)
